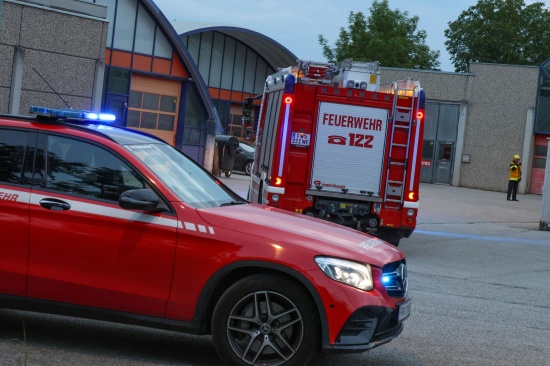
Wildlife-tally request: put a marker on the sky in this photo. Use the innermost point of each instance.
(296, 25)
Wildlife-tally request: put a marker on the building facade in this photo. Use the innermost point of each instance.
(43, 61)
(186, 82)
(476, 122)
(150, 82)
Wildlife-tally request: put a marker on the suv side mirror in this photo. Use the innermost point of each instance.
(138, 199)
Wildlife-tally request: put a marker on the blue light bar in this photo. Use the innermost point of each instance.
(71, 114)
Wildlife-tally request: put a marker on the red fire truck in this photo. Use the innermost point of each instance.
(334, 143)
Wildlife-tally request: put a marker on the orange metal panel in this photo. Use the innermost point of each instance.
(225, 94)
(121, 59)
(161, 66)
(237, 97)
(177, 67)
(156, 86)
(143, 63)
(214, 93)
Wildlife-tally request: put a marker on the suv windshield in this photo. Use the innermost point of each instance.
(192, 184)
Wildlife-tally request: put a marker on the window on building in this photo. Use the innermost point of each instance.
(250, 71)
(217, 61)
(162, 46)
(194, 133)
(261, 75)
(119, 81)
(539, 160)
(238, 70)
(193, 46)
(205, 55)
(228, 63)
(124, 24)
(145, 32)
(542, 122)
(428, 149)
(151, 111)
(223, 108)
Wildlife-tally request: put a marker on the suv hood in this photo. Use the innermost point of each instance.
(321, 237)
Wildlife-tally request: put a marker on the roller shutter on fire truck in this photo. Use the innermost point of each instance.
(349, 149)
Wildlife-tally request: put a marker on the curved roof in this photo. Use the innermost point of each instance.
(163, 22)
(274, 53)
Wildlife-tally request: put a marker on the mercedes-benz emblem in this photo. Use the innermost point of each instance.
(404, 277)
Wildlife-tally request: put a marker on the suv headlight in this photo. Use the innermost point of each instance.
(348, 272)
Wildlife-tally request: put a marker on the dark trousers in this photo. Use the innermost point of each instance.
(512, 189)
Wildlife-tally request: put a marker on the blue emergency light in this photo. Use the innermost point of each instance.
(71, 114)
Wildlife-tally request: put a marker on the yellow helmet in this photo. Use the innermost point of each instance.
(516, 157)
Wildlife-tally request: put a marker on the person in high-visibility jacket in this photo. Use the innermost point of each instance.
(515, 178)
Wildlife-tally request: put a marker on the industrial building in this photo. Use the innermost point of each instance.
(186, 82)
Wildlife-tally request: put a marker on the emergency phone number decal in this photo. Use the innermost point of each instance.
(355, 139)
(300, 139)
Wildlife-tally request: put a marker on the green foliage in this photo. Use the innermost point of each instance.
(388, 36)
(499, 31)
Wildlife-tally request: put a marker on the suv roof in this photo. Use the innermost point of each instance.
(118, 134)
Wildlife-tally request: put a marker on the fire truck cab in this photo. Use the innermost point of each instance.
(334, 143)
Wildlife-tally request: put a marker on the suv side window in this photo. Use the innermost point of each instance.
(77, 167)
(12, 155)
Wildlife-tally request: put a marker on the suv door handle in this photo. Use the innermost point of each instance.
(54, 204)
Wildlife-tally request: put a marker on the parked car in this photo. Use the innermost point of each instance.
(108, 223)
(244, 158)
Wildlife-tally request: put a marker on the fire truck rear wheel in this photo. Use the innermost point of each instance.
(265, 319)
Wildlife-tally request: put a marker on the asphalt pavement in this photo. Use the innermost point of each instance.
(478, 278)
(479, 273)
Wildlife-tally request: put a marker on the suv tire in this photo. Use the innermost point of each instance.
(265, 319)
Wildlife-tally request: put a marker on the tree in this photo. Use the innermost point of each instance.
(388, 36)
(500, 31)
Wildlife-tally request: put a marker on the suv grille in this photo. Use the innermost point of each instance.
(395, 278)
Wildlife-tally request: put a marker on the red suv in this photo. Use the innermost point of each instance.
(103, 222)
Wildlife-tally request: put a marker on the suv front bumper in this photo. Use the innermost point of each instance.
(367, 328)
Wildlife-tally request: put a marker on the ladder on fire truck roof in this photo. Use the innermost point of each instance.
(402, 119)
